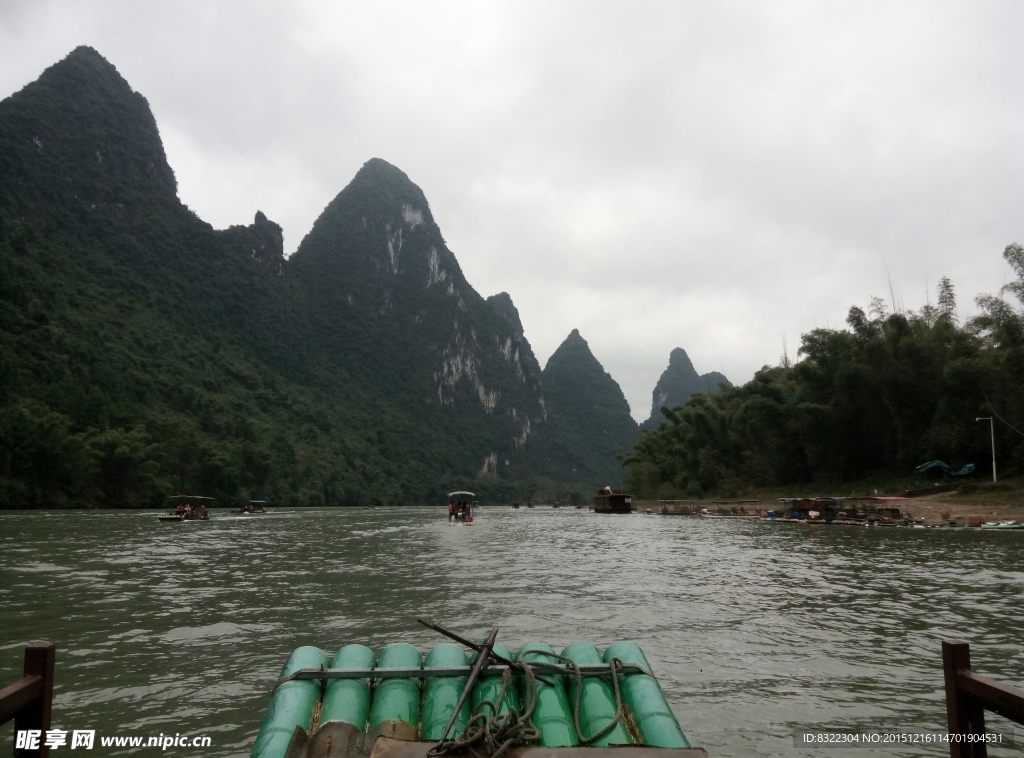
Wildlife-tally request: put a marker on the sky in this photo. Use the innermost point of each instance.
(721, 177)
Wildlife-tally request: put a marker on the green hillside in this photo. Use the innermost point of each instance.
(143, 353)
(588, 415)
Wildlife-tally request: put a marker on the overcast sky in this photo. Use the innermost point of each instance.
(710, 176)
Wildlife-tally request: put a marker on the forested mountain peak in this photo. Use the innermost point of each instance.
(380, 225)
(574, 354)
(82, 122)
(588, 412)
(391, 303)
(678, 383)
(679, 360)
(504, 307)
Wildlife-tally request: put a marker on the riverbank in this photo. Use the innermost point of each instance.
(999, 501)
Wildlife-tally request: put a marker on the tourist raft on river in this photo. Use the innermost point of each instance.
(188, 508)
(400, 704)
(460, 508)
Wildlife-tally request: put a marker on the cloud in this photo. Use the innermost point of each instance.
(656, 174)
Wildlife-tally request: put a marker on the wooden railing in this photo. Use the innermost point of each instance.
(969, 695)
(29, 699)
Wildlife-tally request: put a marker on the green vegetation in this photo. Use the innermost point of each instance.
(143, 353)
(891, 392)
(588, 415)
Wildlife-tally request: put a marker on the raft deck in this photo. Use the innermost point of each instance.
(398, 704)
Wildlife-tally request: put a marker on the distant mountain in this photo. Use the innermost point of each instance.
(678, 383)
(589, 416)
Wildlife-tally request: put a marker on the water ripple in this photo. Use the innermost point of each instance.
(753, 629)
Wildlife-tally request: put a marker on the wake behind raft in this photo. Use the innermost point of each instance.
(530, 704)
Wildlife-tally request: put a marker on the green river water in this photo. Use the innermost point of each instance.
(753, 629)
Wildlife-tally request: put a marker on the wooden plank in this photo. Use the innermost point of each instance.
(39, 661)
(16, 696)
(1004, 699)
(385, 747)
(964, 714)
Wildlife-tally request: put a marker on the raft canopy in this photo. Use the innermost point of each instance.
(176, 500)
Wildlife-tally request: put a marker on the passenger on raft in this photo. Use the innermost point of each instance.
(451, 511)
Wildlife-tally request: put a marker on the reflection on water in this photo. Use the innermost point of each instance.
(753, 629)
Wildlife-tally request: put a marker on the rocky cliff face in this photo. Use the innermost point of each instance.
(390, 303)
(678, 383)
(589, 416)
(518, 346)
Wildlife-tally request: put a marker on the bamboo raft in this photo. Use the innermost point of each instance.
(533, 703)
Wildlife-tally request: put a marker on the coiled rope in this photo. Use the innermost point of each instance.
(490, 734)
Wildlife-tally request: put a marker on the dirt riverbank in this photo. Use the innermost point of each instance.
(992, 502)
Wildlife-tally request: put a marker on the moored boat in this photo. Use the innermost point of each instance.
(608, 500)
(1002, 525)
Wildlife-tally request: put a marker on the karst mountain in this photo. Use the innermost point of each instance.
(678, 383)
(588, 413)
(143, 352)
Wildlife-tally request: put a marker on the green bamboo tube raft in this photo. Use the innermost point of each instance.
(655, 721)
(291, 705)
(341, 709)
(488, 687)
(441, 694)
(397, 700)
(552, 715)
(348, 700)
(597, 699)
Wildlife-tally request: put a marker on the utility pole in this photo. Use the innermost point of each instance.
(992, 429)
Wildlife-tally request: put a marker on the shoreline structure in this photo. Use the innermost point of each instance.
(927, 511)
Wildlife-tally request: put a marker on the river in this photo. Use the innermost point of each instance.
(754, 630)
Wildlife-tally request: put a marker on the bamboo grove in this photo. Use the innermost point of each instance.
(878, 398)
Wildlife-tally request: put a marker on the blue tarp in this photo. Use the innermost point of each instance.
(945, 468)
